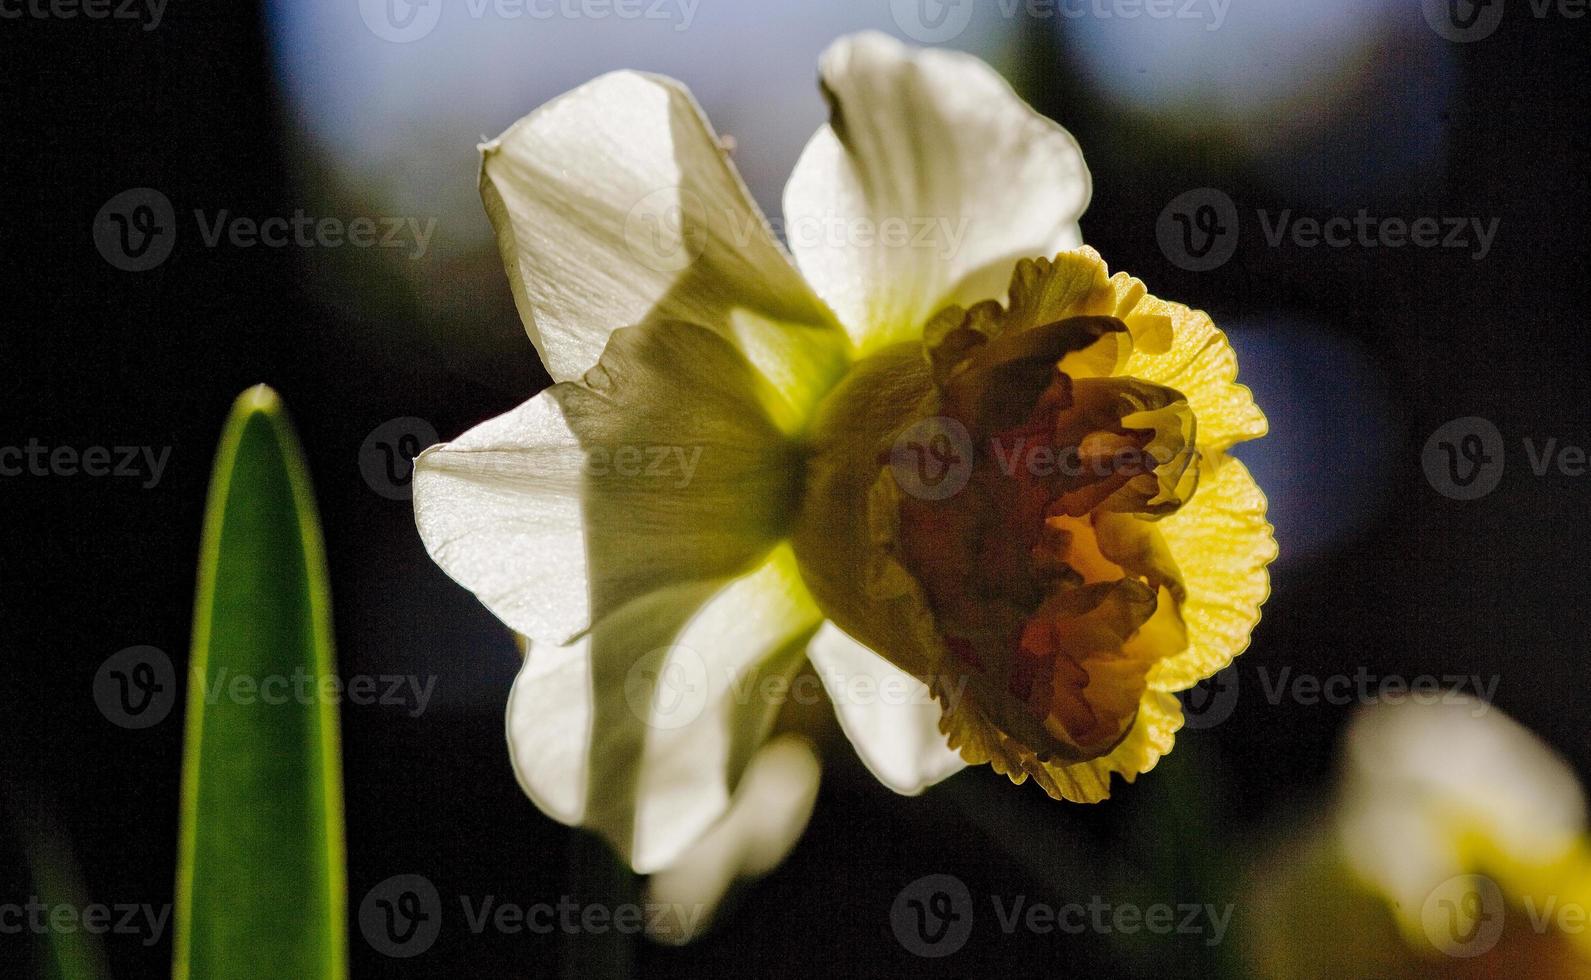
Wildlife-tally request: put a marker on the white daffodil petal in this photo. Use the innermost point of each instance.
(641, 729)
(930, 181)
(769, 812)
(615, 204)
(887, 713)
(1425, 782)
(661, 468)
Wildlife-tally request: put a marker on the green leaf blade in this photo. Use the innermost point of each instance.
(261, 889)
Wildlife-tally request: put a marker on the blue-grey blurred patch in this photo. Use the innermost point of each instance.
(401, 103)
(389, 98)
(1326, 465)
(1304, 88)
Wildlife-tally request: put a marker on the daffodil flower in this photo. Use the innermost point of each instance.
(933, 453)
(1457, 845)
(1437, 791)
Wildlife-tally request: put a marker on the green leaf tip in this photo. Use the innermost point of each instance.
(261, 398)
(261, 884)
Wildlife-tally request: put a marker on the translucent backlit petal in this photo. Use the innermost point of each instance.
(641, 729)
(933, 147)
(1199, 363)
(889, 715)
(661, 467)
(615, 204)
(1151, 736)
(1222, 544)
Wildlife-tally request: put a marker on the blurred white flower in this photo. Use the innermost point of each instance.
(1456, 847)
(1434, 791)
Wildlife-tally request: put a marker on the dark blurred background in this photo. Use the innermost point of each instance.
(1358, 355)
